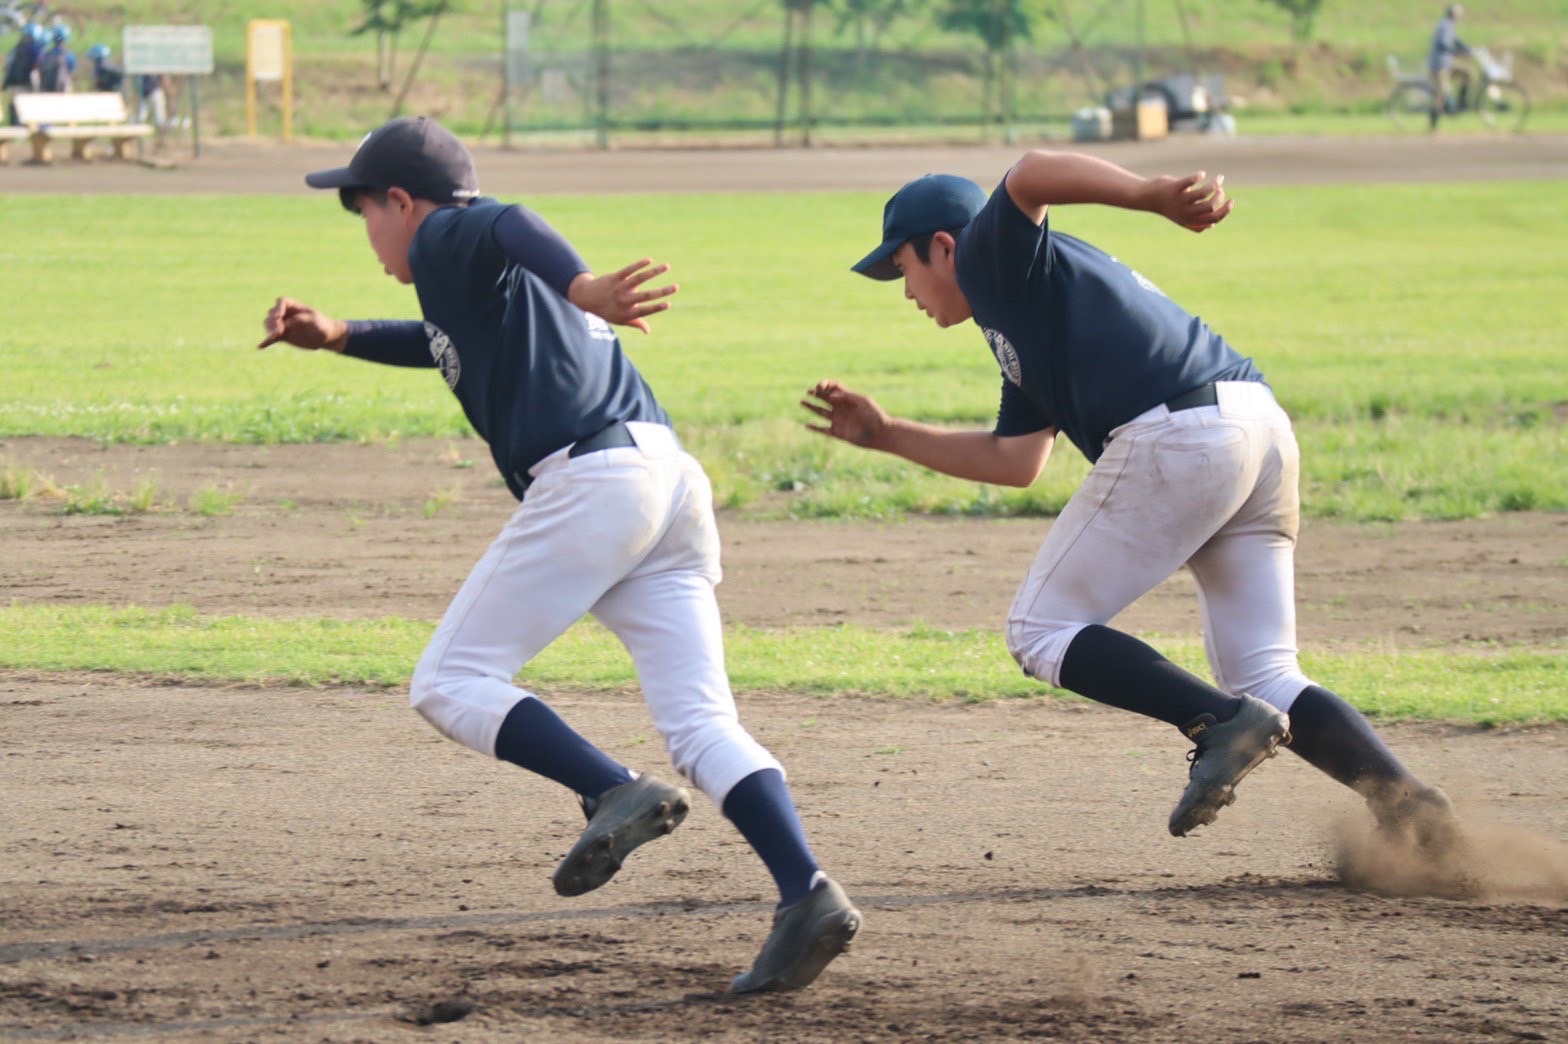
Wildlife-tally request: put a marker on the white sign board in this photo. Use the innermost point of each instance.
(267, 51)
(517, 26)
(176, 50)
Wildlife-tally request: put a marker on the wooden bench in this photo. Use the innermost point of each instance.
(79, 119)
(7, 136)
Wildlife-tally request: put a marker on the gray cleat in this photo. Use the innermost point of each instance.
(804, 940)
(1418, 814)
(1225, 752)
(619, 820)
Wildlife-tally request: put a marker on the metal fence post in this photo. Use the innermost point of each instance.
(601, 50)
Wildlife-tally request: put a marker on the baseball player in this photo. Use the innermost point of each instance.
(1194, 464)
(615, 520)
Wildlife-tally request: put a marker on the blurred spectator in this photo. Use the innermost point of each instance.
(23, 59)
(105, 76)
(152, 106)
(1446, 46)
(57, 65)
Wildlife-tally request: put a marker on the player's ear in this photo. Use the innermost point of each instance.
(400, 201)
(942, 246)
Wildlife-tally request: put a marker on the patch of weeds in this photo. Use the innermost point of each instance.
(144, 498)
(95, 499)
(210, 501)
(454, 457)
(439, 501)
(21, 483)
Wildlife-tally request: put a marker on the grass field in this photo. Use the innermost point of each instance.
(1485, 685)
(1385, 26)
(1414, 333)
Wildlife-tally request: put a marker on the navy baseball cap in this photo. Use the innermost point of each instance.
(934, 203)
(412, 153)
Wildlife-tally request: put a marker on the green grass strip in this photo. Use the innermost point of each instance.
(1481, 684)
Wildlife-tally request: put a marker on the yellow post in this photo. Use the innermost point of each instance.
(269, 58)
(250, 87)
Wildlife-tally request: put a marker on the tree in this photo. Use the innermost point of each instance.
(871, 19)
(1303, 16)
(999, 24)
(387, 19)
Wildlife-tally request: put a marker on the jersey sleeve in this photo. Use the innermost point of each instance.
(1017, 415)
(1000, 249)
(528, 240)
(391, 341)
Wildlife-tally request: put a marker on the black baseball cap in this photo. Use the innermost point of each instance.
(934, 203)
(412, 153)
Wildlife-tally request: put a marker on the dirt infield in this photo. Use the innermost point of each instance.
(240, 166)
(238, 863)
(241, 863)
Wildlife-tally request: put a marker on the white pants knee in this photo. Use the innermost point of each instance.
(628, 535)
(1214, 488)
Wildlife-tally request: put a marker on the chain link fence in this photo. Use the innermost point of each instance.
(795, 73)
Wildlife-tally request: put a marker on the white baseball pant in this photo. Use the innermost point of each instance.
(628, 535)
(1214, 488)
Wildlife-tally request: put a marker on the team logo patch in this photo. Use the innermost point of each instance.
(1144, 281)
(1006, 356)
(598, 329)
(1138, 277)
(444, 352)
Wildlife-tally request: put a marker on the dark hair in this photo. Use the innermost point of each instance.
(922, 243)
(349, 196)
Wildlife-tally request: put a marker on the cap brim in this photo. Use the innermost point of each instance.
(336, 178)
(879, 263)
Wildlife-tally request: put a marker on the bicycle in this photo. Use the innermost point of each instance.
(1496, 98)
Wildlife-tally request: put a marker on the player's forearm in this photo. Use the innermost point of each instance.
(392, 341)
(978, 456)
(1043, 179)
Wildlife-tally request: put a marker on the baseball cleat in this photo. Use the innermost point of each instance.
(1417, 814)
(619, 821)
(1226, 751)
(804, 940)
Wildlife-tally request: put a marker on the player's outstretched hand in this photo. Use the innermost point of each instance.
(619, 297)
(302, 326)
(850, 416)
(1191, 202)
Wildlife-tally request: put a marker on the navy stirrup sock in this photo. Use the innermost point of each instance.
(1335, 737)
(535, 738)
(761, 809)
(1118, 669)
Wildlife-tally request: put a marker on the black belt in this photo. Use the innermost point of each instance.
(615, 435)
(1202, 395)
(612, 437)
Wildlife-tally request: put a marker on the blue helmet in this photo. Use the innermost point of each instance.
(98, 52)
(38, 33)
(60, 33)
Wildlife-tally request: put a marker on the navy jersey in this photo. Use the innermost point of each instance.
(1085, 343)
(533, 372)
